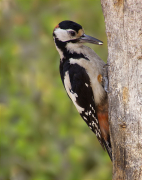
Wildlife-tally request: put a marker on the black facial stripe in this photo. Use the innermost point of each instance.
(62, 46)
(77, 56)
(73, 41)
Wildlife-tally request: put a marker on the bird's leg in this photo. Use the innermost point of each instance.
(105, 78)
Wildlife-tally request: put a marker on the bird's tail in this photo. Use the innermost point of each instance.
(107, 145)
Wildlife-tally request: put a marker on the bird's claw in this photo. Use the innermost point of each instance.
(105, 78)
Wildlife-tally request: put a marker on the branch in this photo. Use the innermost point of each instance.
(124, 34)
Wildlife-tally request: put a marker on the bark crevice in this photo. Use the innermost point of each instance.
(123, 21)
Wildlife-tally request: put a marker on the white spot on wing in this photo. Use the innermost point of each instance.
(72, 95)
(85, 118)
(93, 123)
(98, 134)
(86, 84)
(93, 109)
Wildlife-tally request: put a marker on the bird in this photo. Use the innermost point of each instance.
(82, 74)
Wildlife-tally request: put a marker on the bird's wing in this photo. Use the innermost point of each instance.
(78, 87)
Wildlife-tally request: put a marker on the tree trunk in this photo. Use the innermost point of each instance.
(123, 20)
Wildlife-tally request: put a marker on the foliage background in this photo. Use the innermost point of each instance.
(42, 135)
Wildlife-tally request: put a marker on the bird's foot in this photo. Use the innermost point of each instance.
(105, 78)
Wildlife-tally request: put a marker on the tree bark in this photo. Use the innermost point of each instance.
(123, 19)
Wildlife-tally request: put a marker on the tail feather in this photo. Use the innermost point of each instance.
(107, 145)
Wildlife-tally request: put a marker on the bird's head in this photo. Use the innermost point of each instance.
(69, 31)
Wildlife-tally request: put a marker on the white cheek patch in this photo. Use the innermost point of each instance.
(63, 34)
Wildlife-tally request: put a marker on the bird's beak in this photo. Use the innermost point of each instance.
(88, 39)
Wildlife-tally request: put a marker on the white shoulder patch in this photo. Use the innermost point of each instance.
(93, 72)
(71, 94)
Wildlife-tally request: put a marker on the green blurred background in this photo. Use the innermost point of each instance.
(42, 137)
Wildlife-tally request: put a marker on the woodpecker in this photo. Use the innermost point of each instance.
(82, 74)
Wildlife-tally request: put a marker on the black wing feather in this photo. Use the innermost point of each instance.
(80, 84)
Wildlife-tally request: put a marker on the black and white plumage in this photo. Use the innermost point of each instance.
(81, 72)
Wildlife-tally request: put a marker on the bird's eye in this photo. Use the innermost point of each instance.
(72, 33)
